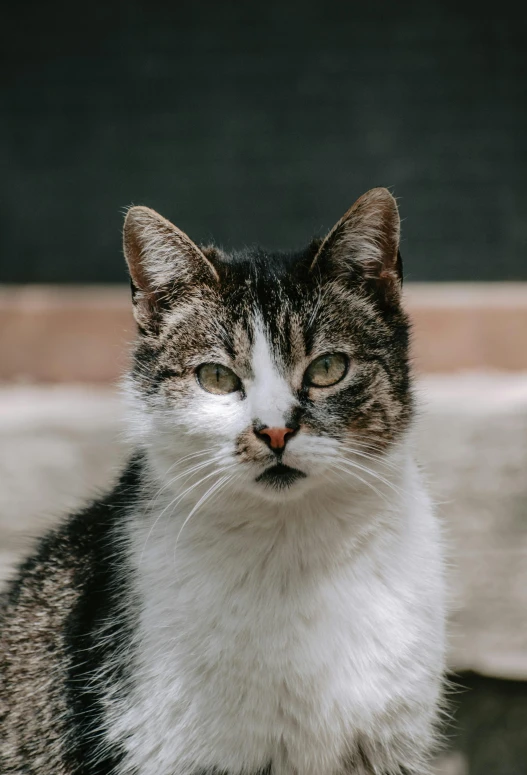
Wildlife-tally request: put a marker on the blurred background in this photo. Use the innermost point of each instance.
(262, 123)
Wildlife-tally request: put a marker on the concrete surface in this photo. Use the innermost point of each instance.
(61, 445)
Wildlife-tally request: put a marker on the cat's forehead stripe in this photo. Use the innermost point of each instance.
(269, 393)
(280, 313)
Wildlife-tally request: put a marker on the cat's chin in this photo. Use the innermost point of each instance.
(280, 477)
(281, 483)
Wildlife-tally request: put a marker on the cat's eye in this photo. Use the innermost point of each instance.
(326, 370)
(216, 378)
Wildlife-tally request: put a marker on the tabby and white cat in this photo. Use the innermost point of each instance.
(262, 591)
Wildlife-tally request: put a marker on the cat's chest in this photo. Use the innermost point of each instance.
(235, 675)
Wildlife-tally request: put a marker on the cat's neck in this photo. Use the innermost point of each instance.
(234, 528)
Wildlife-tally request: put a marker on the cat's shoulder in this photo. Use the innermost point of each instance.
(65, 556)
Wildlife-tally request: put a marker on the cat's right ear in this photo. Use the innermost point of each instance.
(163, 263)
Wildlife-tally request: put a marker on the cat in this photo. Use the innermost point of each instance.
(262, 592)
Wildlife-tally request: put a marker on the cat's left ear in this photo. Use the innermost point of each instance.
(365, 244)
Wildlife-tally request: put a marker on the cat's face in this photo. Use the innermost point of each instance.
(275, 374)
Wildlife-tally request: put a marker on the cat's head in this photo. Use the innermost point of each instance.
(276, 373)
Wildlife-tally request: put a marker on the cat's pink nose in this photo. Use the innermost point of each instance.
(276, 438)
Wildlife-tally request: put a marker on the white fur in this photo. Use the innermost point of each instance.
(268, 393)
(281, 630)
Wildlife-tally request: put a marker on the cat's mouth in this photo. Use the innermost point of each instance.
(280, 476)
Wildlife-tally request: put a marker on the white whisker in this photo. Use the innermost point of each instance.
(169, 482)
(364, 481)
(178, 498)
(374, 458)
(370, 472)
(214, 488)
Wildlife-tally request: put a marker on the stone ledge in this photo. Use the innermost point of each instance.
(62, 444)
(83, 334)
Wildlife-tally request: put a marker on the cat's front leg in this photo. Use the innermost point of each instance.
(368, 768)
(372, 760)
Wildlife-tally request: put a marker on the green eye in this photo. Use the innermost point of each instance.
(215, 378)
(326, 370)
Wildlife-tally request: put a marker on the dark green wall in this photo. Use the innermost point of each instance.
(262, 122)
